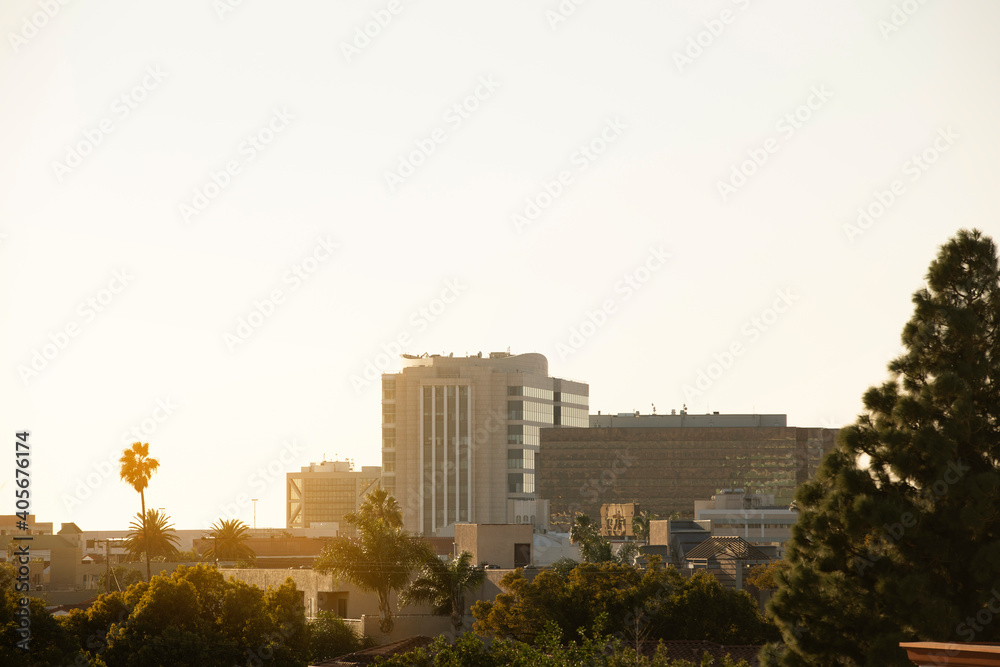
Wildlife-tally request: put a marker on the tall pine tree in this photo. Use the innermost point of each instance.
(898, 537)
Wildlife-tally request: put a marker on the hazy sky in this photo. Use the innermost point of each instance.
(216, 216)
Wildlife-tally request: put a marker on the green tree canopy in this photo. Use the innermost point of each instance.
(194, 617)
(595, 548)
(50, 644)
(898, 536)
(653, 604)
(381, 558)
(595, 650)
(444, 584)
(330, 637)
(120, 579)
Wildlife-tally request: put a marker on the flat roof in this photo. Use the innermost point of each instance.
(687, 420)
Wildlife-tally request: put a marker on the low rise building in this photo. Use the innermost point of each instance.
(752, 516)
(322, 493)
(504, 545)
(667, 462)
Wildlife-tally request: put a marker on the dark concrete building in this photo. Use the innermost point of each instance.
(667, 462)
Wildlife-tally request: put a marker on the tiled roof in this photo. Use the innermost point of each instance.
(369, 655)
(736, 547)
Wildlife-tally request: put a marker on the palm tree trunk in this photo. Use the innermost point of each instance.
(145, 533)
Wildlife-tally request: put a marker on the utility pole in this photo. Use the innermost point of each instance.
(254, 512)
(107, 567)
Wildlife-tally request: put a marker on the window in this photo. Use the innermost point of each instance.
(530, 392)
(388, 461)
(529, 411)
(522, 555)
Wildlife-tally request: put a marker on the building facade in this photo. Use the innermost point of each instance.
(322, 493)
(667, 462)
(755, 517)
(460, 436)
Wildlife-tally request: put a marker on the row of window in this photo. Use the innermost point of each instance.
(529, 411)
(522, 434)
(521, 458)
(530, 392)
(520, 482)
(566, 397)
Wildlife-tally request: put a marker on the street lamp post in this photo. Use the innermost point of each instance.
(254, 513)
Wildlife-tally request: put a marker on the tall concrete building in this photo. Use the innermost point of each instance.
(322, 493)
(667, 462)
(460, 436)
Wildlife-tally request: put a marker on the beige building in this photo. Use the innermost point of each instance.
(460, 436)
(751, 516)
(498, 545)
(667, 462)
(322, 493)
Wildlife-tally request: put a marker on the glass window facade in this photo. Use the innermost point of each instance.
(520, 482)
(530, 392)
(575, 399)
(529, 411)
(570, 416)
(521, 458)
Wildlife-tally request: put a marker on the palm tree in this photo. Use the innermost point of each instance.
(381, 558)
(152, 536)
(595, 548)
(136, 469)
(640, 525)
(443, 584)
(229, 541)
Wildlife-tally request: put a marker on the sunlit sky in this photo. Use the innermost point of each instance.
(214, 215)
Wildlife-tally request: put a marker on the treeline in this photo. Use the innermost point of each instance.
(651, 604)
(192, 617)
